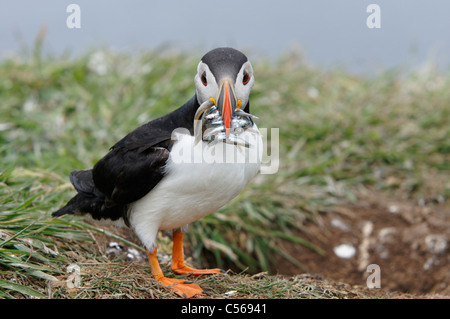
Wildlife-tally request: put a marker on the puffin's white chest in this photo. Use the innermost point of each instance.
(198, 181)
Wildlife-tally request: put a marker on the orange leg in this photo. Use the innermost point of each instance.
(178, 265)
(185, 289)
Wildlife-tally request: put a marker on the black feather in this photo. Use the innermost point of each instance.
(126, 176)
(83, 182)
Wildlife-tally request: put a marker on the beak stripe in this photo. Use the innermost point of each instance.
(226, 110)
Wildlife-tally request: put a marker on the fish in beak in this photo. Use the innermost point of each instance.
(227, 108)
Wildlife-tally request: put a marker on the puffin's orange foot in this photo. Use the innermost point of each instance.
(178, 264)
(181, 287)
(186, 270)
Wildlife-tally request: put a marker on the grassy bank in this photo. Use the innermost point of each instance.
(341, 135)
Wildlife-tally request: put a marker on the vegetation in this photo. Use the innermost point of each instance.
(340, 135)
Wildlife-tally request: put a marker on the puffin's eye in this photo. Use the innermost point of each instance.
(203, 78)
(245, 78)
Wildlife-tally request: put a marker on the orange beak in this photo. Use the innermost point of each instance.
(226, 104)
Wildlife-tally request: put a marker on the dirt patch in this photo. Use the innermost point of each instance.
(408, 241)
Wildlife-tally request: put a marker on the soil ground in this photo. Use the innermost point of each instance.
(407, 240)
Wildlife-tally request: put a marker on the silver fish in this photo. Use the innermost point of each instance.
(209, 126)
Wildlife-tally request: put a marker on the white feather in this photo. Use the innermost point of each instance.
(198, 181)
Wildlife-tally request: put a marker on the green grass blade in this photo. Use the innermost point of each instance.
(20, 288)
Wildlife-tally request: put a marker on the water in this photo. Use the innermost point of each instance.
(329, 32)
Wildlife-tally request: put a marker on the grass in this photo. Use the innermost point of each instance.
(340, 136)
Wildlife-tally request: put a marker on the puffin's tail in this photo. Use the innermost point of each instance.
(90, 200)
(78, 205)
(84, 184)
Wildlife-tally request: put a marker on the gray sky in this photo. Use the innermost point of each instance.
(330, 32)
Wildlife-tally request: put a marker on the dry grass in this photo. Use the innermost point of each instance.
(133, 281)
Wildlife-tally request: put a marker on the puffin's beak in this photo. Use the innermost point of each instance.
(226, 104)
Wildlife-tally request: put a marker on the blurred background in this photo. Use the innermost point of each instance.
(329, 32)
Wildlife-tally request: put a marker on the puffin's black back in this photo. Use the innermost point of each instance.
(134, 164)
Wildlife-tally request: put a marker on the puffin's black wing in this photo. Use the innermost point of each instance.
(134, 165)
(125, 175)
(131, 169)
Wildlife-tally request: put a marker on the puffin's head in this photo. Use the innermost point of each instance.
(225, 77)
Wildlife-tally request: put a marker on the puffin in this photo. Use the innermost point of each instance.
(180, 167)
